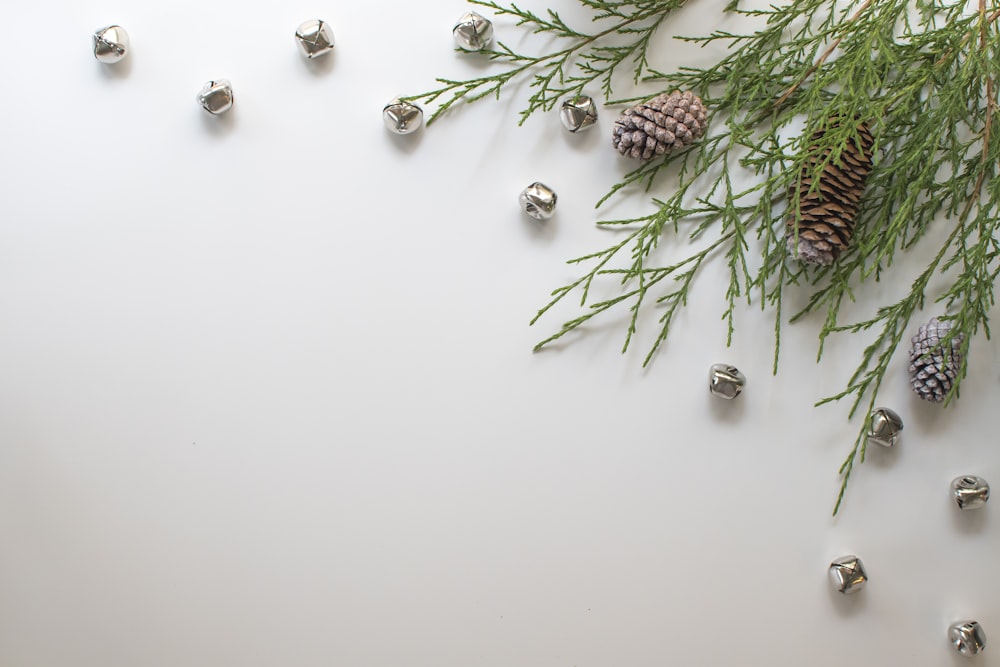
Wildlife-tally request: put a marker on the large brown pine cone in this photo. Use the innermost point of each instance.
(663, 124)
(827, 213)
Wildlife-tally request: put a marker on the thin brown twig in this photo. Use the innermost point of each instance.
(989, 20)
(991, 103)
(991, 107)
(822, 59)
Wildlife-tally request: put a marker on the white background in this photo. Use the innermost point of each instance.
(267, 394)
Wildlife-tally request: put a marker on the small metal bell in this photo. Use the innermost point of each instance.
(111, 44)
(473, 32)
(538, 200)
(216, 96)
(884, 427)
(967, 637)
(402, 117)
(970, 492)
(848, 574)
(315, 38)
(578, 113)
(726, 381)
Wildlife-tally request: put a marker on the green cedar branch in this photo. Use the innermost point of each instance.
(922, 75)
(586, 61)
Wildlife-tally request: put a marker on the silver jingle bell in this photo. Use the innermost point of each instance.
(970, 492)
(578, 113)
(473, 32)
(315, 38)
(967, 637)
(726, 381)
(216, 96)
(111, 44)
(538, 201)
(884, 427)
(402, 117)
(848, 574)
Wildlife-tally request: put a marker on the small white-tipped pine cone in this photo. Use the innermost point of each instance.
(668, 122)
(934, 367)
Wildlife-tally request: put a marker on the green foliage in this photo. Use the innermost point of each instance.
(920, 73)
(584, 60)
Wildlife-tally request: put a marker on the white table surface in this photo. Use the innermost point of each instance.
(267, 394)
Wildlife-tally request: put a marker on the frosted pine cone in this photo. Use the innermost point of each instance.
(933, 367)
(826, 215)
(663, 124)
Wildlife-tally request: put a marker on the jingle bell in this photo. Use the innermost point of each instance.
(970, 492)
(884, 427)
(967, 637)
(315, 38)
(538, 201)
(578, 113)
(402, 117)
(216, 96)
(111, 44)
(473, 32)
(848, 574)
(726, 381)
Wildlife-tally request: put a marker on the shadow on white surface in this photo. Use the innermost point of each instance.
(540, 230)
(970, 522)
(884, 457)
(587, 340)
(477, 61)
(932, 419)
(116, 71)
(848, 605)
(219, 126)
(586, 140)
(723, 410)
(405, 144)
(320, 67)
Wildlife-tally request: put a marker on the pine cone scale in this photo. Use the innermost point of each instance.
(844, 201)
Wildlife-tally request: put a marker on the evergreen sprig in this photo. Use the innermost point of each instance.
(922, 74)
(585, 60)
